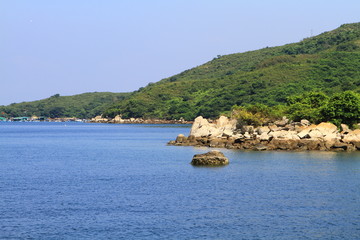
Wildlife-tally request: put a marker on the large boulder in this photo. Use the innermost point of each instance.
(203, 128)
(212, 158)
(261, 130)
(323, 130)
(304, 132)
(200, 127)
(316, 133)
(352, 136)
(326, 128)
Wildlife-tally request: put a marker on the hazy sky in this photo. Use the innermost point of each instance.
(76, 46)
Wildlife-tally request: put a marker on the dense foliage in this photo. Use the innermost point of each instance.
(317, 107)
(329, 62)
(85, 105)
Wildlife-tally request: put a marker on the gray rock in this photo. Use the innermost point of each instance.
(227, 133)
(212, 158)
(261, 130)
(181, 138)
(305, 122)
(264, 137)
(315, 133)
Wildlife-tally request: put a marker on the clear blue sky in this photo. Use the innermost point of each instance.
(76, 46)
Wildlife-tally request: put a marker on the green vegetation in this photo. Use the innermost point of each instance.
(306, 106)
(342, 108)
(257, 114)
(317, 107)
(85, 105)
(328, 63)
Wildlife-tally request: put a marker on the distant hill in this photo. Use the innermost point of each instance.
(84, 105)
(329, 62)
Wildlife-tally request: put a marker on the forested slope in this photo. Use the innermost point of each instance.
(84, 105)
(329, 62)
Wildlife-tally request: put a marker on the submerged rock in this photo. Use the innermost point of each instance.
(212, 158)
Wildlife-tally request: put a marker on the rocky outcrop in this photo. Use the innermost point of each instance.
(222, 127)
(99, 119)
(212, 158)
(280, 135)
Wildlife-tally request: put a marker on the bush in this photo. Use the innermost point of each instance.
(256, 114)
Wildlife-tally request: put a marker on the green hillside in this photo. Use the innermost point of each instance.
(84, 105)
(329, 62)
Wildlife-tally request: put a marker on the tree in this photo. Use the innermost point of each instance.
(342, 108)
(306, 106)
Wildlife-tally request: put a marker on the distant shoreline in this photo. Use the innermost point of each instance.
(119, 120)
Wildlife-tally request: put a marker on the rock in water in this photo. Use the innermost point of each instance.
(212, 158)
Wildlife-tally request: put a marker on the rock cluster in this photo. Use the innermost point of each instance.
(212, 158)
(280, 135)
(119, 119)
(203, 128)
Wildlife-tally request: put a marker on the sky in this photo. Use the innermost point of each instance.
(70, 47)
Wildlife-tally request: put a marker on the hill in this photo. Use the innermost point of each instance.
(84, 105)
(329, 62)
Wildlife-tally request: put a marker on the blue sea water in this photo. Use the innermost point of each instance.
(103, 181)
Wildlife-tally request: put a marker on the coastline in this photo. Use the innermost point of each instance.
(281, 135)
(119, 120)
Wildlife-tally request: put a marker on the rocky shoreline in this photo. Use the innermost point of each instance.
(118, 119)
(280, 135)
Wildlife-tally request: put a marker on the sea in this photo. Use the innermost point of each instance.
(119, 181)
